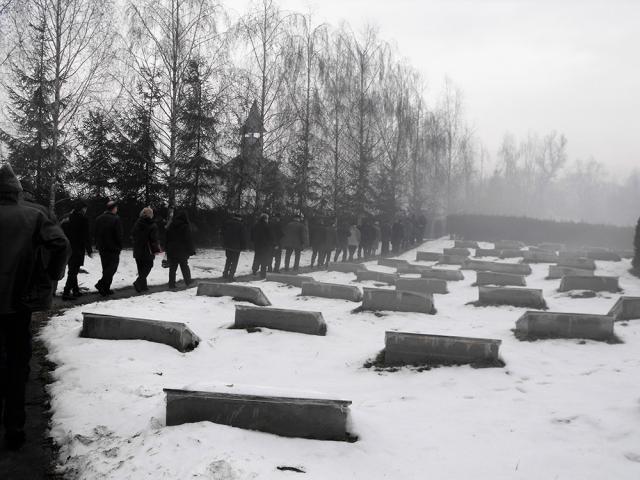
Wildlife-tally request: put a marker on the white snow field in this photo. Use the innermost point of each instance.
(559, 409)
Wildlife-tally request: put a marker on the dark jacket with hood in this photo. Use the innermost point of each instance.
(233, 235)
(76, 228)
(144, 237)
(179, 244)
(108, 233)
(26, 235)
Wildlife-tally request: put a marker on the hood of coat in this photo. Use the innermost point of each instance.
(9, 183)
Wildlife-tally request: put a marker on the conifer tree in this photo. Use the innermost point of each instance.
(636, 244)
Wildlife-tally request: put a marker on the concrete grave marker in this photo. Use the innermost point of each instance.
(606, 256)
(459, 252)
(517, 297)
(508, 245)
(388, 278)
(346, 267)
(573, 254)
(533, 325)
(332, 290)
(377, 299)
(422, 285)
(413, 349)
(452, 260)
(511, 253)
(442, 274)
(411, 268)
(551, 247)
(291, 280)
(111, 327)
(626, 253)
(593, 283)
(238, 292)
(487, 252)
(465, 244)
(285, 416)
(583, 263)
(428, 257)
(539, 256)
(497, 267)
(556, 271)
(626, 308)
(392, 262)
(298, 321)
(502, 279)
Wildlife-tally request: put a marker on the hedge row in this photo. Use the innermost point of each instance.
(490, 228)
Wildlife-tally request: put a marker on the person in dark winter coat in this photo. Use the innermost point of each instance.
(24, 232)
(276, 231)
(368, 234)
(636, 244)
(262, 239)
(233, 241)
(76, 228)
(353, 240)
(295, 238)
(342, 240)
(330, 242)
(179, 247)
(385, 238)
(108, 235)
(144, 238)
(397, 236)
(316, 241)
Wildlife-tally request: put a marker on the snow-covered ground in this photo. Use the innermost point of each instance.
(206, 263)
(559, 409)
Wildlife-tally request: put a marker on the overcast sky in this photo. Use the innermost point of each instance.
(523, 65)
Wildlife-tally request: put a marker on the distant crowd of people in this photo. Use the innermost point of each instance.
(327, 238)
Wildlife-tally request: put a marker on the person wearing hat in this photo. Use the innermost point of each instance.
(262, 239)
(144, 237)
(275, 224)
(24, 232)
(233, 242)
(76, 228)
(108, 235)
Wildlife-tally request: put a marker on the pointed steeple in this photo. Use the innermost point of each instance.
(253, 123)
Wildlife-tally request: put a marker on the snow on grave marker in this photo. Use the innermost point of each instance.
(502, 279)
(111, 327)
(428, 257)
(332, 290)
(291, 280)
(626, 308)
(377, 299)
(497, 267)
(298, 321)
(442, 274)
(403, 348)
(238, 292)
(389, 278)
(536, 325)
(346, 267)
(556, 272)
(517, 297)
(312, 418)
(593, 283)
(422, 285)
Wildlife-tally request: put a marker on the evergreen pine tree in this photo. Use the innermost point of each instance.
(30, 98)
(636, 244)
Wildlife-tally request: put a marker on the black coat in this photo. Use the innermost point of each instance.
(179, 244)
(397, 232)
(330, 238)
(233, 235)
(276, 232)
(144, 237)
(28, 236)
(108, 233)
(316, 236)
(76, 228)
(261, 236)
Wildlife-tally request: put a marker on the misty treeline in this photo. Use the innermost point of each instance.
(533, 177)
(145, 101)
